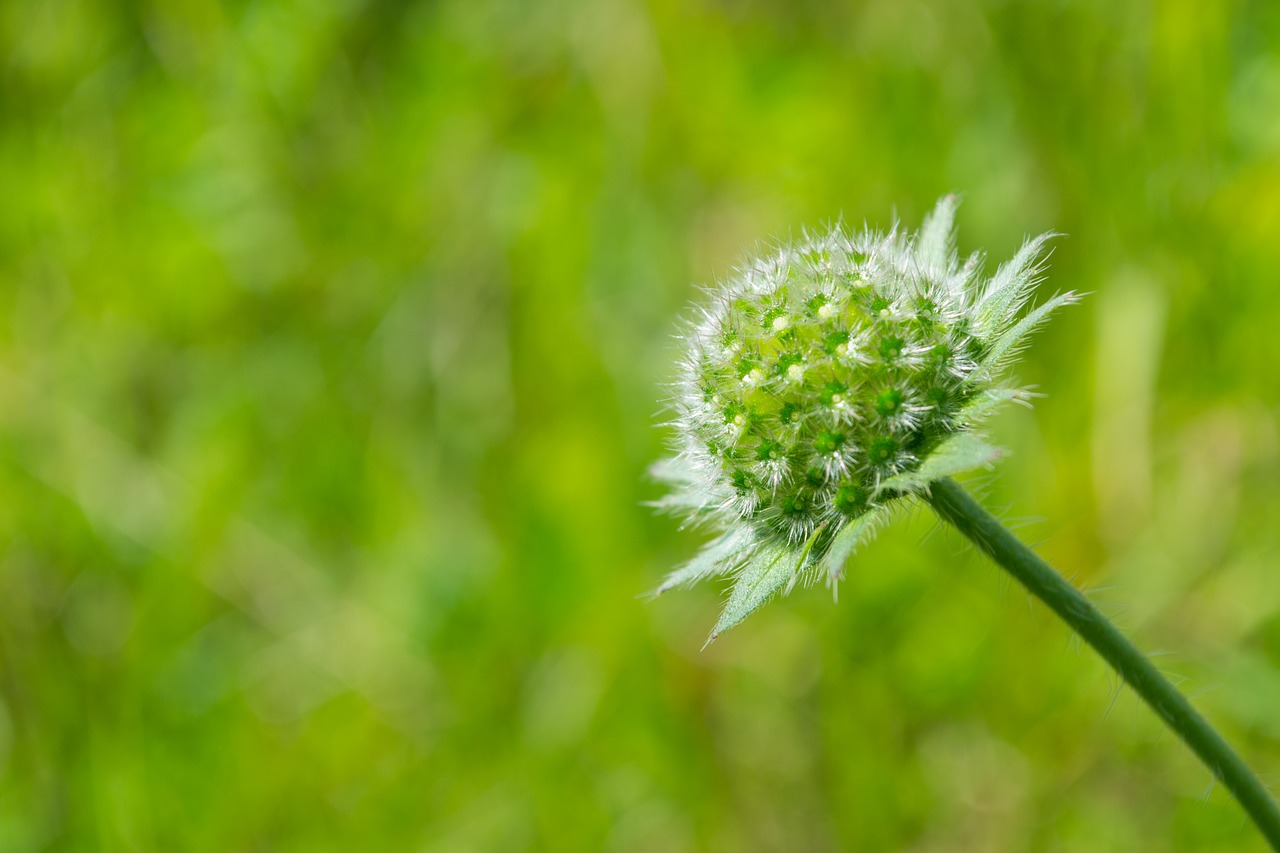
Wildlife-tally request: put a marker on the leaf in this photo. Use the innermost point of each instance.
(718, 557)
(683, 500)
(673, 471)
(855, 532)
(987, 401)
(1010, 286)
(764, 574)
(1005, 345)
(804, 555)
(687, 495)
(934, 246)
(960, 452)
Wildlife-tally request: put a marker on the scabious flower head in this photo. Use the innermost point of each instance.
(829, 378)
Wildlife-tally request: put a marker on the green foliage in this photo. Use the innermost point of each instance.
(957, 454)
(771, 567)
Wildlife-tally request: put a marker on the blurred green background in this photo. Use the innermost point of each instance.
(332, 342)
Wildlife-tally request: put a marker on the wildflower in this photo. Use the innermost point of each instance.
(829, 379)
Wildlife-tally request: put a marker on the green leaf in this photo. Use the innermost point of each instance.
(961, 452)
(854, 532)
(1006, 345)
(1010, 286)
(804, 556)
(673, 471)
(718, 557)
(687, 493)
(690, 500)
(934, 246)
(987, 401)
(764, 574)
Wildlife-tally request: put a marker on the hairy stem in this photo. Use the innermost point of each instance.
(955, 505)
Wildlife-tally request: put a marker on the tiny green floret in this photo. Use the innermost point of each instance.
(819, 377)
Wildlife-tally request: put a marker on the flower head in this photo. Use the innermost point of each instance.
(829, 378)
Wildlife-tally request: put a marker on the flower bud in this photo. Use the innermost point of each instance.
(827, 379)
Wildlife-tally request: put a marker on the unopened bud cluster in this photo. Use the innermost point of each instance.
(820, 372)
(822, 375)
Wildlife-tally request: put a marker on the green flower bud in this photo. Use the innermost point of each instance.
(828, 379)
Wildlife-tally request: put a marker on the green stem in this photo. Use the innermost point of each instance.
(955, 506)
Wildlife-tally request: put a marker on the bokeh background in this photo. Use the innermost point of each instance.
(332, 343)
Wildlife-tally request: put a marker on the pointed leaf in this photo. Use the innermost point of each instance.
(762, 576)
(687, 495)
(986, 402)
(1005, 345)
(1010, 286)
(934, 246)
(804, 556)
(684, 500)
(850, 536)
(718, 557)
(960, 452)
(673, 470)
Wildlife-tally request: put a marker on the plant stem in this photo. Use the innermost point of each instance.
(954, 505)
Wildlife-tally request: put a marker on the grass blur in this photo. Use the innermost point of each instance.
(331, 346)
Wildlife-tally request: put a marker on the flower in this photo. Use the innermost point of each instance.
(826, 380)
